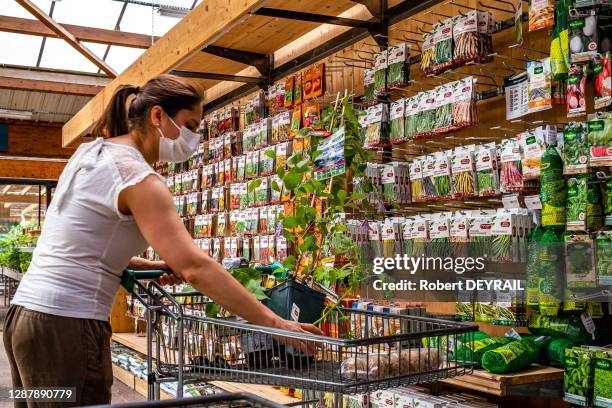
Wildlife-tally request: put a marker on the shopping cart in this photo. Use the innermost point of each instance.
(360, 350)
(234, 400)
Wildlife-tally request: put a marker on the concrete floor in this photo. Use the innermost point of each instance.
(121, 392)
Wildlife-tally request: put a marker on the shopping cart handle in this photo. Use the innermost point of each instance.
(130, 275)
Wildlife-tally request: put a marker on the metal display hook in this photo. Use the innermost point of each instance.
(495, 8)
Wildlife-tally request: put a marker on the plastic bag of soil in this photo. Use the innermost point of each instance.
(513, 356)
(568, 327)
(474, 351)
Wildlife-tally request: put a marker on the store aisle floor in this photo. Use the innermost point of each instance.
(121, 392)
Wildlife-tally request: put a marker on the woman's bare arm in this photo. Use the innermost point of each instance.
(151, 205)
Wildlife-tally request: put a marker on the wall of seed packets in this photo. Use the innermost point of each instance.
(224, 191)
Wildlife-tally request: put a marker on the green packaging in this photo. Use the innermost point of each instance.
(602, 367)
(568, 327)
(513, 356)
(474, 351)
(603, 251)
(578, 378)
(533, 265)
(580, 261)
(555, 352)
(550, 270)
(553, 192)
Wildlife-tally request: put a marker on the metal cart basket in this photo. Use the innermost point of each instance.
(234, 400)
(360, 351)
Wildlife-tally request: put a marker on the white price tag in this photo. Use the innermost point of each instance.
(511, 201)
(533, 202)
(513, 334)
(295, 312)
(588, 323)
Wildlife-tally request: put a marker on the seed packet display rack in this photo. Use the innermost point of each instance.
(361, 351)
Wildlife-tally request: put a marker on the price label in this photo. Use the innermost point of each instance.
(533, 202)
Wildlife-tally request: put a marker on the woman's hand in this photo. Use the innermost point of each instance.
(306, 346)
(167, 279)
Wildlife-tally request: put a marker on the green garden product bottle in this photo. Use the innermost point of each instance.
(559, 46)
(513, 356)
(551, 271)
(553, 191)
(533, 266)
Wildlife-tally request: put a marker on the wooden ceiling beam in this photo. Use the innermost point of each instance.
(23, 84)
(198, 29)
(28, 26)
(30, 169)
(66, 36)
(12, 198)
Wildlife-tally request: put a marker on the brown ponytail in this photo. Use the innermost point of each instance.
(167, 91)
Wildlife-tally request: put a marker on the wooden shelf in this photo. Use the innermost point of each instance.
(497, 384)
(137, 384)
(139, 343)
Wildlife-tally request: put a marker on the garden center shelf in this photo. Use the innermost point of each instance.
(138, 343)
(537, 376)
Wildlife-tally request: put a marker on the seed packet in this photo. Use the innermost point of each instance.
(297, 90)
(410, 122)
(443, 46)
(464, 103)
(600, 140)
(284, 126)
(397, 122)
(533, 145)
(267, 161)
(575, 149)
(311, 115)
(380, 72)
(368, 83)
(468, 44)
(428, 169)
(398, 70)
(426, 113)
(511, 173)
(296, 121)
(576, 96)
(314, 81)
(289, 82)
(539, 86)
(427, 53)
(416, 181)
(443, 108)
(442, 176)
(541, 14)
(516, 89)
(374, 132)
(580, 261)
(582, 35)
(463, 174)
(602, 72)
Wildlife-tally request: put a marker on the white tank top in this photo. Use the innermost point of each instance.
(85, 242)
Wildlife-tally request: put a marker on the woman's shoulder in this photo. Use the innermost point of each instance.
(128, 161)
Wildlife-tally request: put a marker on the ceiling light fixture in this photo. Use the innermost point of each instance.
(170, 11)
(15, 114)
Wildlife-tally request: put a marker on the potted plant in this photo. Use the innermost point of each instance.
(313, 218)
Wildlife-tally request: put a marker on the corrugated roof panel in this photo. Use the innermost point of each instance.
(46, 107)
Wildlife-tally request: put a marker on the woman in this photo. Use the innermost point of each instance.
(109, 204)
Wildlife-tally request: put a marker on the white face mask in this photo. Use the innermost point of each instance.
(179, 149)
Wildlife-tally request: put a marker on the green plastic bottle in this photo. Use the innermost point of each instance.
(553, 190)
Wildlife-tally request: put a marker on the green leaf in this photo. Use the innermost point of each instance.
(275, 186)
(280, 172)
(271, 154)
(290, 222)
(253, 185)
(290, 262)
(212, 309)
(292, 179)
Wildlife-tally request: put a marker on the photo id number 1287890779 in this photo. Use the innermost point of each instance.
(41, 394)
